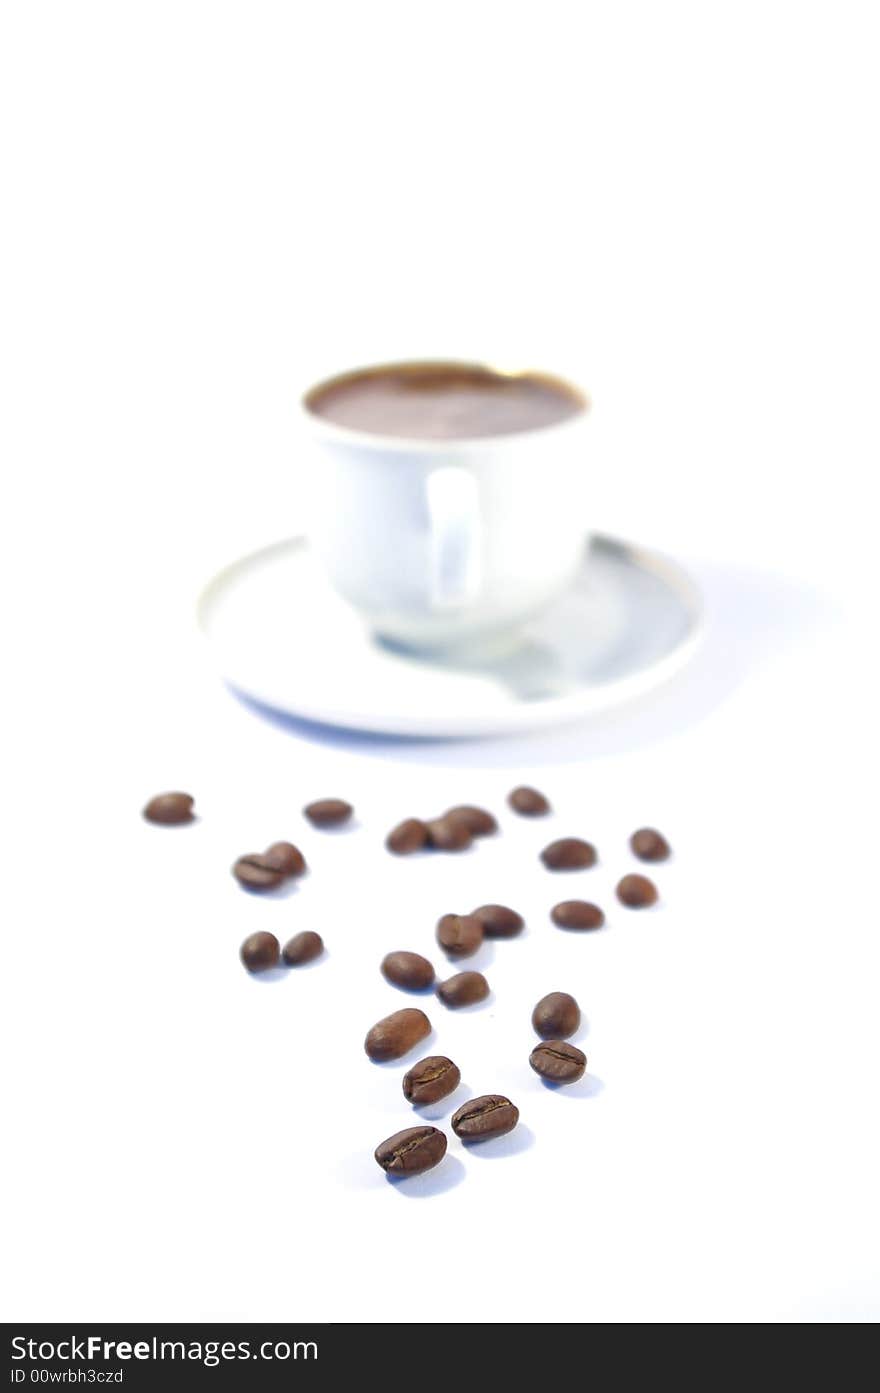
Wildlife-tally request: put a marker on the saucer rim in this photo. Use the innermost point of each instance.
(587, 702)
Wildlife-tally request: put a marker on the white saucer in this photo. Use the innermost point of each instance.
(282, 637)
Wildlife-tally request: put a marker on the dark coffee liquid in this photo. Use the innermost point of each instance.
(438, 401)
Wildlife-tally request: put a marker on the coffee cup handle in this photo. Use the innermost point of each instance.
(453, 499)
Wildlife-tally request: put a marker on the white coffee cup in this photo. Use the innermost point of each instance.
(452, 543)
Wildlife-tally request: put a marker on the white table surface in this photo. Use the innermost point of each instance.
(214, 204)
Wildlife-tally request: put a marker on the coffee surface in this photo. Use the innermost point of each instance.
(434, 401)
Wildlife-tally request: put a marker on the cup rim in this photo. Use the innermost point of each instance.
(412, 444)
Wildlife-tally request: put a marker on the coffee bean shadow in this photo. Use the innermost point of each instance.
(343, 829)
(280, 892)
(524, 932)
(752, 618)
(443, 1177)
(172, 826)
(472, 1009)
(581, 1033)
(590, 1086)
(433, 1112)
(407, 1060)
(567, 872)
(310, 966)
(495, 1148)
(270, 974)
(432, 853)
(474, 962)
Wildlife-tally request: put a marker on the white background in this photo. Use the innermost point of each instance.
(207, 205)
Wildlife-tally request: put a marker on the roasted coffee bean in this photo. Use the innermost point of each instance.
(397, 1034)
(481, 1118)
(328, 812)
(556, 1016)
(569, 854)
(302, 948)
(498, 921)
(411, 1151)
(448, 834)
(577, 914)
(408, 970)
(286, 857)
(260, 951)
(477, 821)
(650, 845)
(170, 809)
(637, 892)
(463, 989)
(558, 1061)
(256, 872)
(528, 802)
(430, 1080)
(460, 935)
(408, 836)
